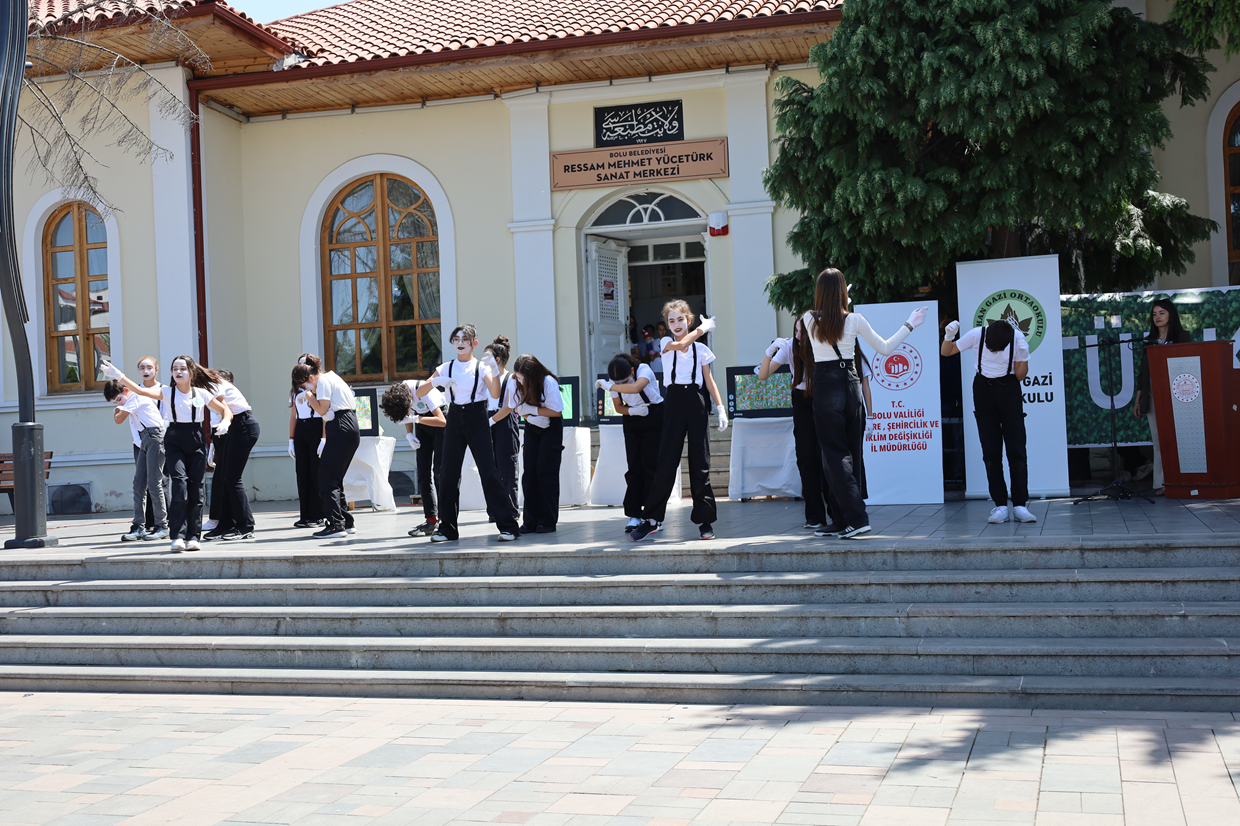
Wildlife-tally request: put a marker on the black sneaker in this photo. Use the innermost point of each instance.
(830, 531)
(236, 536)
(308, 523)
(545, 529)
(425, 529)
(329, 533)
(813, 526)
(707, 532)
(851, 533)
(643, 530)
(215, 534)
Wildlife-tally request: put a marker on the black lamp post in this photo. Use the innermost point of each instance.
(29, 483)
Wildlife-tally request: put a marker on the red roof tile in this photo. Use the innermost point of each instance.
(44, 12)
(371, 29)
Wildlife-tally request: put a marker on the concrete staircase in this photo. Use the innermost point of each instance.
(1123, 624)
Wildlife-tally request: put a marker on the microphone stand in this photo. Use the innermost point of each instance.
(1117, 489)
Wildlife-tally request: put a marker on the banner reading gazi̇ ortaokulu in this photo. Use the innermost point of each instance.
(1027, 290)
(1207, 314)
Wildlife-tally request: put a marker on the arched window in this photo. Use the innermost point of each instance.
(1231, 167)
(381, 281)
(646, 208)
(75, 298)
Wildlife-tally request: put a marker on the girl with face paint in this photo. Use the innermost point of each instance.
(146, 424)
(468, 384)
(634, 389)
(230, 506)
(184, 404)
(687, 381)
(505, 436)
(534, 393)
(424, 422)
(150, 528)
(331, 397)
(307, 436)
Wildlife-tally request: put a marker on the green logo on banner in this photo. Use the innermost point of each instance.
(1019, 305)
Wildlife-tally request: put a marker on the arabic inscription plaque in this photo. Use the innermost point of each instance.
(638, 123)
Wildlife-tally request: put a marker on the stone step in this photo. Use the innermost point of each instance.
(800, 551)
(1126, 693)
(749, 588)
(1104, 657)
(960, 620)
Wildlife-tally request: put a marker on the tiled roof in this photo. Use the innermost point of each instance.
(370, 29)
(43, 12)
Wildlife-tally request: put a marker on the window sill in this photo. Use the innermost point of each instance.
(61, 401)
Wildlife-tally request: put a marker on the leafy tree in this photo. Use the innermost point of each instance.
(1204, 21)
(941, 124)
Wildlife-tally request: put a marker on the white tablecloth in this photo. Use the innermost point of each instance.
(367, 477)
(574, 473)
(764, 461)
(607, 487)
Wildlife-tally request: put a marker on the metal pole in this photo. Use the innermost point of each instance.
(29, 483)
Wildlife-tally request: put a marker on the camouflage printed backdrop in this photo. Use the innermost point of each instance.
(1206, 314)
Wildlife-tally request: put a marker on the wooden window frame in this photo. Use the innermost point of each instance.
(384, 276)
(81, 280)
(1229, 152)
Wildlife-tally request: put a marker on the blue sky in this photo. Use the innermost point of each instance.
(265, 11)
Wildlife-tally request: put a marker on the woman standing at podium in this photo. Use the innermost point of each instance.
(1165, 328)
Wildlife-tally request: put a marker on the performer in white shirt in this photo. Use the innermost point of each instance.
(634, 389)
(534, 394)
(424, 421)
(505, 435)
(999, 405)
(331, 397)
(147, 430)
(307, 436)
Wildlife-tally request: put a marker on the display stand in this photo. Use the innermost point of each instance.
(608, 485)
(763, 461)
(1196, 390)
(367, 476)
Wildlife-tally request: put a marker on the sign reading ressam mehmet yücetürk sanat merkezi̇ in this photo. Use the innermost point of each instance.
(646, 163)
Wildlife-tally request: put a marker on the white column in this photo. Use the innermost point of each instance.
(174, 228)
(532, 226)
(751, 212)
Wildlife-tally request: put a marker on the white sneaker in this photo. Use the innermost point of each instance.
(178, 544)
(1022, 514)
(350, 531)
(193, 545)
(507, 537)
(631, 524)
(210, 525)
(438, 537)
(999, 515)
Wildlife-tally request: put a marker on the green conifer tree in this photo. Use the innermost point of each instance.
(939, 125)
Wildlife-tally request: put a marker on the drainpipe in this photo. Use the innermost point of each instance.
(200, 249)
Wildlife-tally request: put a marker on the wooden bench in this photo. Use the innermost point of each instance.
(7, 472)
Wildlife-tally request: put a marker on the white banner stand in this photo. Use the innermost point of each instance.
(574, 473)
(1028, 288)
(607, 487)
(367, 476)
(904, 453)
(763, 461)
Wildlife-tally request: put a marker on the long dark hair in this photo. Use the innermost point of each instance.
(830, 306)
(1175, 330)
(199, 376)
(315, 363)
(623, 366)
(302, 374)
(533, 374)
(802, 357)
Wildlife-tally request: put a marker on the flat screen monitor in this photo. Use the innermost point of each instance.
(750, 398)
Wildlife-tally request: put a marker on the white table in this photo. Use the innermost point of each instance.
(574, 473)
(764, 461)
(608, 487)
(367, 476)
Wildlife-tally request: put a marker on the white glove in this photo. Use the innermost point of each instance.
(413, 441)
(527, 410)
(775, 347)
(211, 455)
(292, 453)
(639, 410)
(539, 421)
(304, 397)
(110, 370)
(707, 325)
(491, 421)
(221, 429)
(951, 331)
(723, 420)
(757, 369)
(869, 426)
(916, 318)
(329, 415)
(604, 384)
(488, 361)
(319, 449)
(443, 382)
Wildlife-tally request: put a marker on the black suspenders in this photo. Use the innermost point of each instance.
(1011, 354)
(172, 404)
(692, 375)
(472, 393)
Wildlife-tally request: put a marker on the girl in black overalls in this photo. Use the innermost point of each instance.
(839, 410)
(635, 392)
(306, 440)
(686, 414)
(505, 436)
(468, 382)
(331, 397)
(424, 421)
(184, 403)
(535, 394)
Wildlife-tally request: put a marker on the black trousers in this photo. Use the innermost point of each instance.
(814, 485)
(641, 448)
(468, 428)
(544, 449)
(306, 436)
(839, 421)
(1000, 410)
(342, 442)
(686, 414)
(215, 503)
(506, 442)
(430, 467)
(230, 460)
(185, 457)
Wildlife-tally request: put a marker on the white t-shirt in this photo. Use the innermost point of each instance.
(463, 373)
(332, 387)
(784, 356)
(232, 397)
(683, 363)
(143, 413)
(854, 326)
(552, 399)
(653, 396)
(190, 407)
(423, 406)
(304, 411)
(995, 365)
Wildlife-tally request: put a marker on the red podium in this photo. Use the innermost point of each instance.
(1196, 389)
